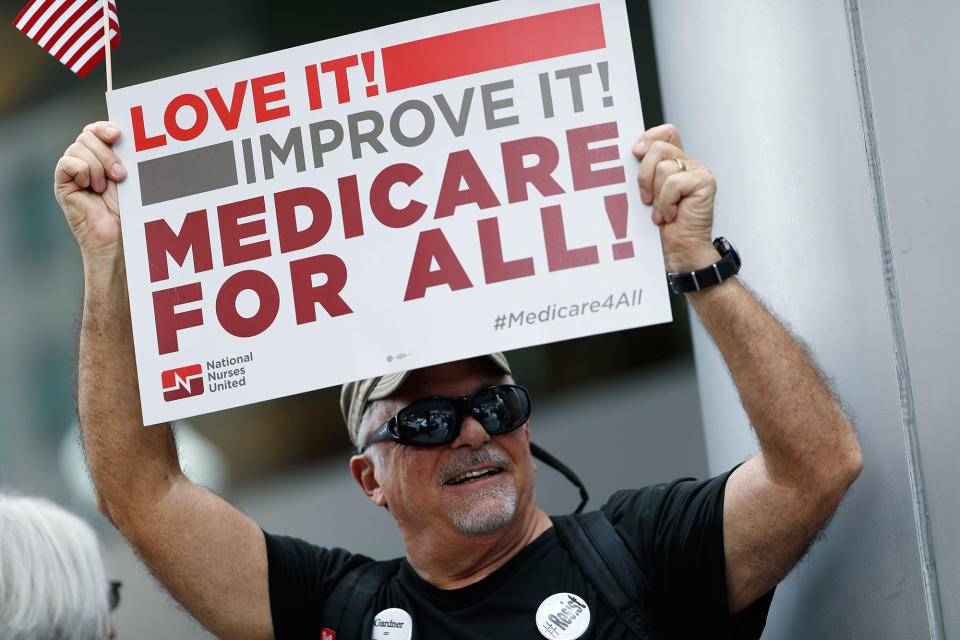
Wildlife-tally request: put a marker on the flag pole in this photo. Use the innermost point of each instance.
(106, 42)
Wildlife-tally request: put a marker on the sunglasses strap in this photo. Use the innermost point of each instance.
(541, 454)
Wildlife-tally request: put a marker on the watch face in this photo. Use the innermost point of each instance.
(725, 247)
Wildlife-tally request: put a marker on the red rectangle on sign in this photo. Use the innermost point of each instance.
(493, 46)
(182, 382)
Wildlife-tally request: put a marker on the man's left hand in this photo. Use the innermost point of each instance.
(682, 197)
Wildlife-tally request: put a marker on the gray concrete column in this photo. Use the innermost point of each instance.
(830, 129)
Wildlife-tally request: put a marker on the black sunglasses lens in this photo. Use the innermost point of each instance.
(501, 409)
(426, 422)
(436, 421)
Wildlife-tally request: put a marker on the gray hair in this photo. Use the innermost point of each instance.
(374, 452)
(53, 585)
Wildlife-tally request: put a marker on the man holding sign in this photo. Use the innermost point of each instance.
(365, 199)
(482, 559)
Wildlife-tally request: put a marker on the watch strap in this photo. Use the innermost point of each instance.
(726, 267)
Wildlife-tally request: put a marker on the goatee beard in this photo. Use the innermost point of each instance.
(487, 509)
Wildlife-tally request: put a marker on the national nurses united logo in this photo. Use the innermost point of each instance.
(182, 382)
(563, 616)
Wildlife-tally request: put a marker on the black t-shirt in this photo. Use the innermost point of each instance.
(675, 531)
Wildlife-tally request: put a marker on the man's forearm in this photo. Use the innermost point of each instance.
(804, 435)
(774, 504)
(130, 465)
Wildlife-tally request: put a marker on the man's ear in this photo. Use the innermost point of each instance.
(364, 472)
(526, 432)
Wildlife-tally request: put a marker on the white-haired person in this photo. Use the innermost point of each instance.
(53, 585)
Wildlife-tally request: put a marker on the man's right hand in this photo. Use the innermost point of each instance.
(85, 184)
(210, 556)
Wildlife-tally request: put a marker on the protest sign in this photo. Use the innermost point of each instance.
(396, 198)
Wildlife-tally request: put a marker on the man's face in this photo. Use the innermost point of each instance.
(477, 483)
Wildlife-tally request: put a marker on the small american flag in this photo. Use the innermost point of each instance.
(70, 30)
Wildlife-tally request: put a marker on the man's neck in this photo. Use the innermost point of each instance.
(454, 559)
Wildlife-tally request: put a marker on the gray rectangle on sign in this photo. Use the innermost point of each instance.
(187, 173)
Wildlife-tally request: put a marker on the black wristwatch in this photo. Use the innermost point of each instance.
(727, 266)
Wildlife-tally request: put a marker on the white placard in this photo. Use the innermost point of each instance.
(409, 195)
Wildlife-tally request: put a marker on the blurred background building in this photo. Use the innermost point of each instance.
(829, 128)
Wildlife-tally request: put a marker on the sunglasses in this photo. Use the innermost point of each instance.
(435, 421)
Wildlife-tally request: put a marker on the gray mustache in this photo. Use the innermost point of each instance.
(485, 455)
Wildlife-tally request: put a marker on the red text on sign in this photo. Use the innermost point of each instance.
(304, 216)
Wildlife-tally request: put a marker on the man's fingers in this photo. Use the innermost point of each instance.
(71, 169)
(666, 168)
(675, 187)
(657, 153)
(664, 133)
(105, 130)
(108, 159)
(97, 179)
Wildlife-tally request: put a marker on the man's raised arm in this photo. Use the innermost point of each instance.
(775, 503)
(211, 557)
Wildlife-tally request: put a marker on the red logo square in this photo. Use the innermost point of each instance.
(182, 382)
(327, 634)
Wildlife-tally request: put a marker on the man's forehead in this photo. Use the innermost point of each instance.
(450, 379)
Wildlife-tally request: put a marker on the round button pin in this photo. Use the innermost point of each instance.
(392, 624)
(563, 616)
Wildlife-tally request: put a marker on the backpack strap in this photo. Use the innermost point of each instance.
(353, 595)
(589, 537)
(608, 564)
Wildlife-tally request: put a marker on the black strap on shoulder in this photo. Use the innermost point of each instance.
(352, 596)
(567, 472)
(589, 537)
(608, 564)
